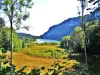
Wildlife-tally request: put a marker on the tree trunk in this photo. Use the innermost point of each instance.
(11, 37)
(84, 34)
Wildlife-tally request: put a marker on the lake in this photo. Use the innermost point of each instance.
(46, 40)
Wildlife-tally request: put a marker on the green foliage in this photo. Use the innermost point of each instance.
(59, 69)
(77, 42)
(93, 40)
(44, 50)
(66, 38)
(65, 42)
(51, 43)
(45, 53)
(17, 42)
(34, 72)
(4, 42)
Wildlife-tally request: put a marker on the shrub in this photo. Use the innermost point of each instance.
(45, 53)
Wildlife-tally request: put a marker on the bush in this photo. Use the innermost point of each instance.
(45, 53)
(51, 43)
(41, 50)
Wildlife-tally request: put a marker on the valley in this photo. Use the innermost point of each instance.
(22, 58)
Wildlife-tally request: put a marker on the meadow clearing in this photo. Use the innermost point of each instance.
(42, 55)
(49, 55)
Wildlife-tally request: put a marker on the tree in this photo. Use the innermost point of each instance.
(16, 11)
(77, 41)
(83, 3)
(5, 41)
(2, 33)
(2, 24)
(0, 36)
(65, 42)
(83, 6)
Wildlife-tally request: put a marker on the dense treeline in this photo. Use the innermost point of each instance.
(76, 41)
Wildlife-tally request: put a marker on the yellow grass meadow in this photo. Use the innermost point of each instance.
(21, 59)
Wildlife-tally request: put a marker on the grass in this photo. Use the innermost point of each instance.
(44, 50)
(43, 55)
(21, 58)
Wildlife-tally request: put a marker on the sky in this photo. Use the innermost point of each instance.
(46, 13)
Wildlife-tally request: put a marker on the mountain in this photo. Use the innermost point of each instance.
(65, 28)
(27, 36)
(56, 32)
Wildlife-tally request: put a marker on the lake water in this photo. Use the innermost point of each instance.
(45, 40)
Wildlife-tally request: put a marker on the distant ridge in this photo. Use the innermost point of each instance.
(27, 36)
(56, 32)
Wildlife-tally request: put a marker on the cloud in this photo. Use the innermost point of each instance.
(48, 13)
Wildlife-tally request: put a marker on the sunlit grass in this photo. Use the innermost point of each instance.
(20, 60)
(43, 55)
(44, 50)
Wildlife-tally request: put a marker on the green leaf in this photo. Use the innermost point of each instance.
(29, 0)
(3, 56)
(8, 2)
(5, 9)
(4, 51)
(29, 6)
(12, 7)
(22, 3)
(8, 69)
(8, 14)
(20, 71)
(60, 67)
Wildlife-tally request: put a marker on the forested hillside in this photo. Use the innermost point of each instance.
(76, 41)
(27, 36)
